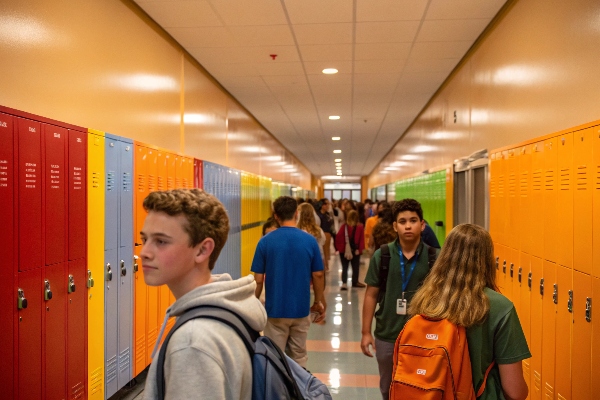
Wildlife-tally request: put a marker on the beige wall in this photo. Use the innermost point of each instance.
(103, 64)
(533, 73)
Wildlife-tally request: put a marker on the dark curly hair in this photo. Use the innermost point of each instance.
(407, 205)
(206, 216)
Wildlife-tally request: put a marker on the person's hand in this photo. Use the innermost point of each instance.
(319, 309)
(357, 252)
(365, 341)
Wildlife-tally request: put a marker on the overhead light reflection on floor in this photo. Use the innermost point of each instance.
(335, 343)
(338, 307)
(337, 320)
(334, 378)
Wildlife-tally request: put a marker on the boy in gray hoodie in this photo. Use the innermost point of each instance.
(183, 234)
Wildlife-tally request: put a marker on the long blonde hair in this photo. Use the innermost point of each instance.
(306, 220)
(454, 287)
(352, 218)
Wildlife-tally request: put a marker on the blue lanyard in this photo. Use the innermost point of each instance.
(412, 268)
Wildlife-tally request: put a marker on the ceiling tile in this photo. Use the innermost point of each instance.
(318, 11)
(203, 37)
(286, 80)
(255, 12)
(382, 51)
(327, 80)
(323, 34)
(181, 13)
(451, 30)
(326, 53)
(390, 10)
(341, 89)
(377, 81)
(238, 69)
(386, 32)
(459, 9)
(378, 67)
(264, 35)
(431, 65)
(440, 49)
(235, 82)
(317, 67)
(279, 68)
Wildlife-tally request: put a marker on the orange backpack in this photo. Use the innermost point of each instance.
(431, 362)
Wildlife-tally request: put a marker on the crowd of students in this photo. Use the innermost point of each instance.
(408, 274)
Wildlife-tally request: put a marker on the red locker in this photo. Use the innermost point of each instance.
(564, 338)
(582, 337)
(564, 253)
(198, 174)
(549, 329)
(53, 150)
(536, 389)
(54, 331)
(76, 330)
(7, 256)
(550, 200)
(29, 337)
(29, 194)
(77, 214)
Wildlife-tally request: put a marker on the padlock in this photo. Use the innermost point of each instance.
(90, 280)
(123, 269)
(504, 267)
(21, 300)
(542, 286)
(497, 262)
(108, 272)
(520, 274)
(135, 263)
(570, 302)
(555, 294)
(71, 284)
(588, 309)
(512, 266)
(529, 280)
(47, 290)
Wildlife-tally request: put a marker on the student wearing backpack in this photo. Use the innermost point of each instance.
(183, 234)
(461, 288)
(409, 263)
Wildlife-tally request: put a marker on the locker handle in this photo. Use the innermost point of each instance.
(135, 263)
(108, 272)
(529, 280)
(123, 269)
(542, 286)
(555, 294)
(90, 280)
(504, 267)
(520, 274)
(497, 262)
(512, 266)
(588, 309)
(21, 300)
(71, 284)
(570, 302)
(47, 290)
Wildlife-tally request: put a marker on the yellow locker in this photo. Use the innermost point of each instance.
(525, 310)
(513, 216)
(596, 340)
(548, 328)
(550, 200)
(564, 326)
(564, 254)
(583, 196)
(596, 204)
(526, 224)
(536, 389)
(582, 337)
(536, 196)
(95, 259)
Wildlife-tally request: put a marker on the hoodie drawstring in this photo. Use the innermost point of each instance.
(162, 330)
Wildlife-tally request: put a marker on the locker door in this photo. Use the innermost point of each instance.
(77, 196)
(494, 206)
(526, 224)
(515, 268)
(564, 254)
(583, 196)
(582, 337)
(198, 174)
(178, 166)
(513, 213)
(54, 332)
(174, 178)
(525, 310)
(76, 330)
(502, 198)
(95, 265)
(550, 199)
(30, 340)
(564, 324)
(29, 194)
(596, 340)
(536, 194)
(549, 328)
(536, 388)
(596, 204)
(7, 257)
(171, 171)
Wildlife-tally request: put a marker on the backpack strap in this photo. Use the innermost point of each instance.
(223, 315)
(431, 255)
(487, 373)
(384, 268)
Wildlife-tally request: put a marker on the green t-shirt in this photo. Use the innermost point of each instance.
(500, 338)
(388, 324)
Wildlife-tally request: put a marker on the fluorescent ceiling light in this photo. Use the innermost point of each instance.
(335, 138)
(338, 163)
(338, 160)
(329, 71)
(333, 117)
(337, 151)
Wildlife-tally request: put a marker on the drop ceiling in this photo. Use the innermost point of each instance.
(391, 57)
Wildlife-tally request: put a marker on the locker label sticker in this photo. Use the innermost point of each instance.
(30, 174)
(54, 176)
(77, 178)
(3, 173)
(3, 124)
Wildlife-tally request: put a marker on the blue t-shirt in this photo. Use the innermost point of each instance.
(287, 256)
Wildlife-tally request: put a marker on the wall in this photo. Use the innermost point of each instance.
(534, 71)
(104, 64)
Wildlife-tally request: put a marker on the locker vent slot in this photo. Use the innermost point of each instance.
(598, 177)
(152, 335)
(110, 180)
(151, 183)
(141, 182)
(111, 369)
(161, 183)
(524, 183)
(186, 183)
(537, 382)
(124, 360)
(549, 392)
(512, 185)
(582, 177)
(170, 183)
(96, 384)
(77, 391)
(565, 179)
(95, 179)
(536, 180)
(126, 181)
(561, 397)
(549, 182)
(178, 183)
(140, 350)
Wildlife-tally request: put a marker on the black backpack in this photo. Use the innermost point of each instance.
(274, 375)
(384, 266)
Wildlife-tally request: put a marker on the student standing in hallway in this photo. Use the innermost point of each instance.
(289, 257)
(410, 262)
(352, 233)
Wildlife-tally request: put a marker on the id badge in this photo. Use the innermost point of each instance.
(401, 307)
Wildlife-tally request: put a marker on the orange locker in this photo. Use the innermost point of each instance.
(582, 199)
(549, 299)
(525, 310)
(536, 389)
(515, 271)
(596, 204)
(582, 337)
(564, 338)
(526, 225)
(536, 196)
(564, 255)
(513, 217)
(550, 200)
(596, 340)
(502, 199)
(494, 220)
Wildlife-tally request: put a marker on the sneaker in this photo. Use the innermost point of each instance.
(344, 287)
(359, 285)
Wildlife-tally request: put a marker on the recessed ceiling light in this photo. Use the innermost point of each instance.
(337, 151)
(339, 174)
(338, 167)
(335, 138)
(338, 163)
(333, 117)
(330, 71)
(338, 160)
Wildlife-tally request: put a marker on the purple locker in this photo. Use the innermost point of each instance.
(30, 338)
(77, 214)
(54, 311)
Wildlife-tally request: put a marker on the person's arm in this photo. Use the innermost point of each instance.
(260, 279)
(368, 312)
(318, 279)
(513, 383)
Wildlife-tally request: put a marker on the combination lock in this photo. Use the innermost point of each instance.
(135, 263)
(21, 300)
(71, 284)
(108, 272)
(497, 262)
(588, 309)
(90, 280)
(555, 294)
(47, 290)
(570, 302)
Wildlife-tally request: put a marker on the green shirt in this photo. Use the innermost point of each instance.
(500, 338)
(388, 324)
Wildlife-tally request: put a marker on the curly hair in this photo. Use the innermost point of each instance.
(407, 205)
(206, 217)
(306, 220)
(383, 233)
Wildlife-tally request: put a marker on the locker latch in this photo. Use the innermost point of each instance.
(47, 290)
(570, 302)
(512, 266)
(588, 309)
(497, 262)
(21, 300)
(520, 274)
(108, 272)
(71, 284)
(529, 280)
(135, 263)
(555, 294)
(123, 269)
(542, 286)
(504, 267)
(90, 280)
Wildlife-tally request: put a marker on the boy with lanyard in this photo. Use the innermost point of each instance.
(409, 265)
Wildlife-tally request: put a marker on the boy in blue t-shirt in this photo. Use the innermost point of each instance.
(285, 261)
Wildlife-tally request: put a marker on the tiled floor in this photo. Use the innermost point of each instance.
(334, 354)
